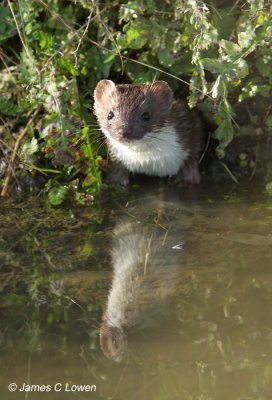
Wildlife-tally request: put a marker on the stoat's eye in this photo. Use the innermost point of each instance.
(110, 115)
(145, 116)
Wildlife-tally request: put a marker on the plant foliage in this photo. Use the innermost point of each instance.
(52, 54)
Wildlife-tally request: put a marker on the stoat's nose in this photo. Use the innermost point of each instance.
(124, 133)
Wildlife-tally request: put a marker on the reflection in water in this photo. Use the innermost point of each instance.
(189, 305)
(146, 263)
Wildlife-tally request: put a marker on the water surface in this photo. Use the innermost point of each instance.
(180, 282)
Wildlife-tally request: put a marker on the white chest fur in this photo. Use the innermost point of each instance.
(158, 153)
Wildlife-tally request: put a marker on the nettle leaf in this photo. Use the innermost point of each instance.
(214, 66)
(230, 47)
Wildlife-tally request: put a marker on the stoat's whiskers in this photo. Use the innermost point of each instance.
(158, 153)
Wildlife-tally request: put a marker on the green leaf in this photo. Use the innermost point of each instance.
(136, 37)
(242, 68)
(225, 23)
(30, 148)
(7, 24)
(264, 62)
(183, 65)
(219, 87)
(213, 65)
(166, 58)
(245, 39)
(230, 47)
(8, 107)
(57, 195)
(145, 77)
(46, 40)
(68, 66)
(224, 133)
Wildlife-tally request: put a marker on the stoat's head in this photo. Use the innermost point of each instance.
(128, 112)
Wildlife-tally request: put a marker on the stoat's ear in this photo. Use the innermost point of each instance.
(162, 93)
(103, 90)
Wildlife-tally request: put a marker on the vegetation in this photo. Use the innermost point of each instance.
(52, 54)
(49, 267)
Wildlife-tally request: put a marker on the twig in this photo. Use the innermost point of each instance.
(82, 37)
(14, 153)
(117, 51)
(21, 36)
(229, 172)
(206, 148)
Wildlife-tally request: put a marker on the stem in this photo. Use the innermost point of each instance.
(14, 153)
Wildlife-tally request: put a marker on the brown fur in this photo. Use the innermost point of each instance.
(128, 103)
